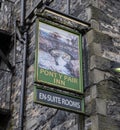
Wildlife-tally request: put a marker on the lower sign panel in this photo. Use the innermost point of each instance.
(57, 100)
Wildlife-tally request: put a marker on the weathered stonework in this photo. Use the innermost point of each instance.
(6, 16)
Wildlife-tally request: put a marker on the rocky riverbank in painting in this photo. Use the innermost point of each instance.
(58, 50)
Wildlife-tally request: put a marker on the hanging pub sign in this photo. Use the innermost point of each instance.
(58, 100)
(58, 58)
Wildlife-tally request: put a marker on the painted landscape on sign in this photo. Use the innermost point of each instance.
(58, 50)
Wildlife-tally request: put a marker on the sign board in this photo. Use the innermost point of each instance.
(57, 100)
(58, 58)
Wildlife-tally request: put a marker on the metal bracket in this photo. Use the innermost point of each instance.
(20, 38)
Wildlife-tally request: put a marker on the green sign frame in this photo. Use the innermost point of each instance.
(58, 100)
(58, 58)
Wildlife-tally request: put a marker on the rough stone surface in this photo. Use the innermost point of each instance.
(99, 63)
(101, 106)
(107, 123)
(6, 16)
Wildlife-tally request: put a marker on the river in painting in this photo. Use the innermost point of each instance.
(58, 50)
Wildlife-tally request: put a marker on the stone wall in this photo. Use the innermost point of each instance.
(103, 47)
(5, 87)
(102, 93)
(36, 116)
(6, 15)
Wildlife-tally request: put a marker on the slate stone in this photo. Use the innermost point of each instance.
(59, 118)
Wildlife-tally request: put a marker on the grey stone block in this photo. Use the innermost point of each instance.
(101, 106)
